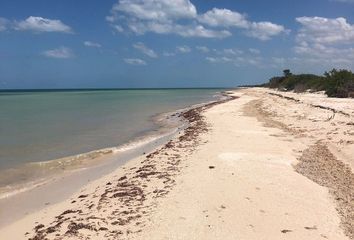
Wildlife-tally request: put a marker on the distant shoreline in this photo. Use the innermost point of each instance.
(107, 89)
(253, 166)
(90, 165)
(44, 126)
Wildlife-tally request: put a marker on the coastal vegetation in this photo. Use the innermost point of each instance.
(335, 83)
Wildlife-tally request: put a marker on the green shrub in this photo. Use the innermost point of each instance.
(335, 83)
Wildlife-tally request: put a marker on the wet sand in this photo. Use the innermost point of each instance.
(253, 167)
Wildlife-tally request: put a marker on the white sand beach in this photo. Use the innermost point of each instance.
(264, 165)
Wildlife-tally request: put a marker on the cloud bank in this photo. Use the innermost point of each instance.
(180, 17)
(325, 40)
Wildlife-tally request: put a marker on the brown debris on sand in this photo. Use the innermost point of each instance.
(320, 165)
(325, 126)
(115, 209)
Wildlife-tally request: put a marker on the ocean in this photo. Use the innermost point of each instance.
(39, 127)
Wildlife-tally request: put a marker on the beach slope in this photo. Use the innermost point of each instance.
(247, 168)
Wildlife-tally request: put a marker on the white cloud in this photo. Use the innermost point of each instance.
(92, 44)
(325, 30)
(159, 16)
(223, 17)
(192, 30)
(254, 51)
(228, 52)
(155, 10)
(237, 58)
(180, 17)
(238, 61)
(169, 54)
(200, 31)
(110, 19)
(212, 59)
(202, 49)
(227, 18)
(134, 61)
(3, 24)
(183, 49)
(62, 52)
(219, 59)
(308, 62)
(147, 51)
(265, 30)
(231, 51)
(328, 53)
(325, 42)
(118, 28)
(39, 24)
(179, 50)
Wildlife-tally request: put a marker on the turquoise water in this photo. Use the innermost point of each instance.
(43, 125)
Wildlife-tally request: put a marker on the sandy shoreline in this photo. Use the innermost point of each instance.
(25, 176)
(244, 169)
(76, 171)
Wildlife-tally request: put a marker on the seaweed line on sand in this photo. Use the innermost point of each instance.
(334, 111)
(121, 206)
(255, 109)
(321, 166)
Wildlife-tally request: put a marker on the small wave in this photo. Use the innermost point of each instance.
(10, 191)
(137, 143)
(28, 176)
(31, 175)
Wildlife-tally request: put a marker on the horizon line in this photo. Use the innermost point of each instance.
(106, 89)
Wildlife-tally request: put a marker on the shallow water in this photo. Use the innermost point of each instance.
(38, 126)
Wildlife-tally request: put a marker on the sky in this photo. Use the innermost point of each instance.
(169, 43)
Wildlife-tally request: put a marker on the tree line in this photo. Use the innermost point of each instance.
(335, 83)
